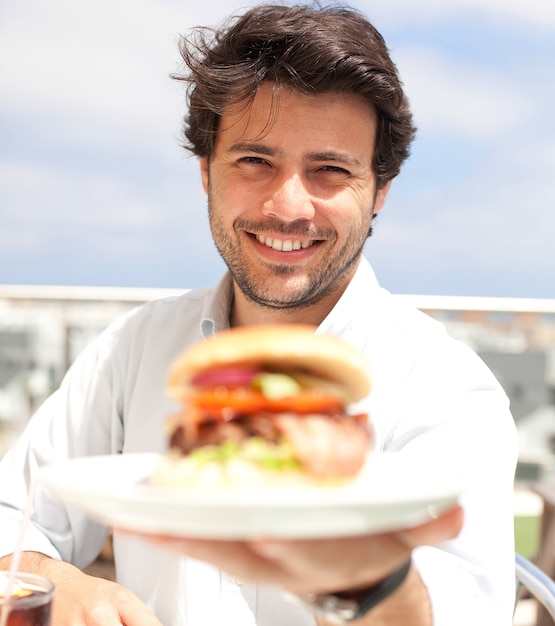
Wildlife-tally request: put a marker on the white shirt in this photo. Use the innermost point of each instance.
(432, 397)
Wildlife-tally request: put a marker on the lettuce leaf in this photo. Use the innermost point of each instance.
(270, 456)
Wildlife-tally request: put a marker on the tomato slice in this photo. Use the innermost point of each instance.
(242, 400)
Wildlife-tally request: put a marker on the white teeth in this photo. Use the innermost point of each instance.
(286, 245)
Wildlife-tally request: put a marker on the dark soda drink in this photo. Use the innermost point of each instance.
(30, 601)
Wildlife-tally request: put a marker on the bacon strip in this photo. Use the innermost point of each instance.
(324, 445)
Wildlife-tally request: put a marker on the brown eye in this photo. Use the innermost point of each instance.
(333, 168)
(253, 160)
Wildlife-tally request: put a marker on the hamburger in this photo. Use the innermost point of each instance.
(267, 404)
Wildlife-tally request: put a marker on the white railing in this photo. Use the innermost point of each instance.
(142, 294)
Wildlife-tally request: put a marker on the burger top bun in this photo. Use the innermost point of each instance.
(290, 345)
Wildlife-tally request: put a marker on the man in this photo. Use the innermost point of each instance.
(300, 123)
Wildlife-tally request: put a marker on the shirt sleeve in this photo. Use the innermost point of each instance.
(83, 417)
(465, 423)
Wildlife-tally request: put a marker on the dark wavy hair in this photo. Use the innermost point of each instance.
(309, 49)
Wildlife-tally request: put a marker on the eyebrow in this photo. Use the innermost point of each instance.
(256, 148)
(336, 157)
(315, 157)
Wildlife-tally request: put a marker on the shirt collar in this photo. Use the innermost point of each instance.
(362, 288)
(218, 308)
(358, 300)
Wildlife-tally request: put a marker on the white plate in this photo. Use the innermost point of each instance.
(114, 490)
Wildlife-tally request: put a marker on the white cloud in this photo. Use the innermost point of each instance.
(460, 98)
(108, 225)
(96, 73)
(499, 219)
(39, 194)
(535, 13)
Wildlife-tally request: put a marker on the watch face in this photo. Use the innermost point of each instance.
(334, 609)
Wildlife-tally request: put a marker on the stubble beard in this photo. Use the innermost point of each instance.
(311, 289)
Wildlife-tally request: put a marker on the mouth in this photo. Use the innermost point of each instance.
(284, 245)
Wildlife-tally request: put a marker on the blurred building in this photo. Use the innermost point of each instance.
(42, 330)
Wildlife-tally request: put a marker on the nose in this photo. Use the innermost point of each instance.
(289, 200)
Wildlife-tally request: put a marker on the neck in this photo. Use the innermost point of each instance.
(245, 312)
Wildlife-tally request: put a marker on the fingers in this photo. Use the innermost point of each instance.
(318, 565)
(83, 600)
(133, 612)
(355, 560)
(233, 557)
(444, 527)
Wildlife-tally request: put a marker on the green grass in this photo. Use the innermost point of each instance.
(527, 530)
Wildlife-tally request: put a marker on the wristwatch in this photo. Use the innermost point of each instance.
(346, 607)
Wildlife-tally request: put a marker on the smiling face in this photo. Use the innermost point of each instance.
(291, 197)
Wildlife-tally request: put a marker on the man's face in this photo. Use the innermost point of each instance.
(291, 196)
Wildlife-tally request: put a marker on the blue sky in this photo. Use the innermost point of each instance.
(95, 190)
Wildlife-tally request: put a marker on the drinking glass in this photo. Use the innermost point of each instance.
(30, 602)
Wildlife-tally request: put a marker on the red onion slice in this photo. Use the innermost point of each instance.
(232, 377)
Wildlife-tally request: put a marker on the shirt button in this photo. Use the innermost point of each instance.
(239, 581)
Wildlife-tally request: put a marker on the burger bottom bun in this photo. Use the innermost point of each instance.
(177, 471)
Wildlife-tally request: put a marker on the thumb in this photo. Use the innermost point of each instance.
(445, 526)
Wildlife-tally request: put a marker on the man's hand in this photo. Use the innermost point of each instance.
(318, 565)
(83, 600)
(332, 565)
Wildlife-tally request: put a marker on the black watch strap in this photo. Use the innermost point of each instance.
(369, 598)
(345, 607)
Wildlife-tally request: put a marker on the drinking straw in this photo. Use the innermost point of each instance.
(12, 573)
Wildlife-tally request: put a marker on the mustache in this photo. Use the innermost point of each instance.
(298, 229)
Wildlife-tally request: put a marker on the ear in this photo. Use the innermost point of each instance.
(204, 173)
(381, 195)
